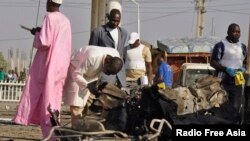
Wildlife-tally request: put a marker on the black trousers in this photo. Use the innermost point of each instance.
(235, 95)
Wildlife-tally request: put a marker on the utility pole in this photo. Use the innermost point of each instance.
(99, 10)
(97, 13)
(213, 28)
(247, 85)
(138, 15)
(248, 58)
(199, 7)
(37, 16)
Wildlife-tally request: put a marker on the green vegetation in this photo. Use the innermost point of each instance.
(3, 62)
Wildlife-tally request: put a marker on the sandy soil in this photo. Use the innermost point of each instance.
(10, 131)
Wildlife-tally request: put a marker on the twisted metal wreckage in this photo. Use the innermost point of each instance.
(148, 113)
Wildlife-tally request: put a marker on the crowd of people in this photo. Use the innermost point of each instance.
(12, 76)
(106, 59)
(112, 56)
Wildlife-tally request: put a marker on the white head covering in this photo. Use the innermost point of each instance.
(114, 5)
(133, 37)
(58, 1)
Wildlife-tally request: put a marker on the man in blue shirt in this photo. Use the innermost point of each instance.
(165, 72)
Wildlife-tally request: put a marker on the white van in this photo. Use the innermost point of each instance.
(190, 72)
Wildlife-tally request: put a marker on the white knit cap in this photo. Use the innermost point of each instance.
(58, 1)
(133, 37)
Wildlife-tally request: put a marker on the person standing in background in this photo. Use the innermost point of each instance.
(111, 35)
(164, 72)
(229, 56)
(14, 76)
(9, 76)
(44, 85)
(138, 60)
(2, 74)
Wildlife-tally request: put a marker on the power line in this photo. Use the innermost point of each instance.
(228, 5)
(144, 20)
(227, 11)
(37, 16)
(160, 17)
(157, 7)
(31, 38)
(87, 31)
(75, 5)
(43, 4)
(15, 39)
(162, 1)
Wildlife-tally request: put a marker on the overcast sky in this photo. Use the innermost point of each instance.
(159, 19)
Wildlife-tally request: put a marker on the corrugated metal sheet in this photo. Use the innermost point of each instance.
(188, 45)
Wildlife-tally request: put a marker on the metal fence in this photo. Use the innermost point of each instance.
(11, 91)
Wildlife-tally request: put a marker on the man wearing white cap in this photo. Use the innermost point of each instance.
(58, 1)
(137, 59)
(47, 75)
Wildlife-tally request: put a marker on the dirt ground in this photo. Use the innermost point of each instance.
(12, 132)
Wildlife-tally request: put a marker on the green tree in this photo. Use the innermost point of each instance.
(3, 62)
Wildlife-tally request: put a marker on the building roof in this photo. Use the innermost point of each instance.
(188, 45)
